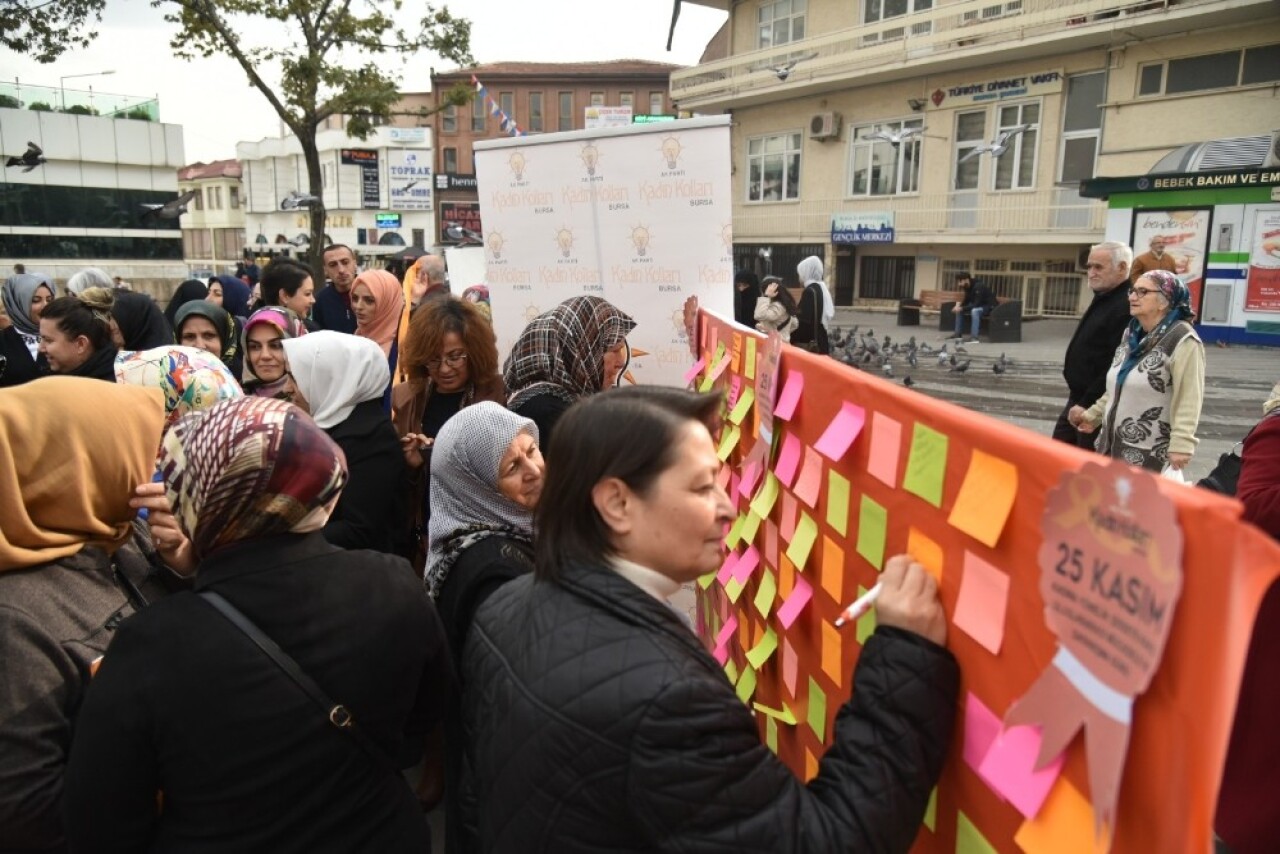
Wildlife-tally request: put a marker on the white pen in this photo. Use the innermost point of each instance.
(860, 606)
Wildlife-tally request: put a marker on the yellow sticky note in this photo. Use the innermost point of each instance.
(927, 464)
(704, 581)
(817, 714)
(832, 658)
(873, 523)
(925, 552)
(740, 408)
(838, 502)
(802, 543)
(969, 840)
(931, 812)
(764, 649)
(867, 622)
(731, 670)
(766, 594)
(749, 369)
(771, 734)
(733, 589)
(728, 441)
(784, 714)
(734, 536)
(762, 504)
(746, 685)
(1064, 824)
(751, 527)
(985, 498)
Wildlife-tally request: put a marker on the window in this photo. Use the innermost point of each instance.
(233, 197)
(773, 168)
(566, 111)
(879, 168)
(597, 99)
(1081, 126)
(535, 112)
(1016, 168)
(971, 131)
(507, 103)
(627, 99)
(657, 103)
(477, 114)
(780, 22)
(883, 10)
(450, 159)
(198, 200)
(215, 198)
(449, 119)
(884, 277)
(1211, 71)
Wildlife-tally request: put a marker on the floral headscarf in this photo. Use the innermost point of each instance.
(249, 468)
(290, 327)
(190, 379)
(1140, 342)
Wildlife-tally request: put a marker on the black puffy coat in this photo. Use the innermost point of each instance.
(597, 722)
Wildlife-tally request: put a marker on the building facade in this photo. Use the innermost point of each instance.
(906, 142)
(213, 227)
(541, 97)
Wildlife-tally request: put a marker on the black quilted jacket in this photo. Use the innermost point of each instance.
(598, 723)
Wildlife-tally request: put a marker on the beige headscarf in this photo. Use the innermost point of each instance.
(65, 477)
(1273, 401)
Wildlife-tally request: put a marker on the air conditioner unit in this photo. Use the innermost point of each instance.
(1273, 152)
(825, 126)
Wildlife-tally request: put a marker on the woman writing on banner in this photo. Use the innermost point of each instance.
(1149, 412)
(599, 722)
(816, 310)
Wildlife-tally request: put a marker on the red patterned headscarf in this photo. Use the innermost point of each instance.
(249, 468)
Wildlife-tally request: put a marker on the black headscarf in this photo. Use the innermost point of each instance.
(191, 289)
(228, 332)
(744, 301)
(141, 322)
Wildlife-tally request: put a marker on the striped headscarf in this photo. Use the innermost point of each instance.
(249, 468)
(562, 351)
(190, 379)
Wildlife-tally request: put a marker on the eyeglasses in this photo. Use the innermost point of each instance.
(451, 360)
(1142, 292)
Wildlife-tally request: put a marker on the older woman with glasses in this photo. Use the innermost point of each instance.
(1155, 388)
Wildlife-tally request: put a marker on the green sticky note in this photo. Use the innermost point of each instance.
(704, 581)
(927, 464)
(731, 670)
(749, 369)
(802, 541)
(784, 714)
(931, 811)
(873, 520)
(734, 536)
(867, 622)
(734, 589)
(771, 728)
(746, 685)
(766, 594)
(743, 406)
(969, 840)
(762, 504)
(751, 527)
(838, 502)
(817, 710)
(764, 650)
(728, 441)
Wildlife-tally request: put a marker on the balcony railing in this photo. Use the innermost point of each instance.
(52, 99)
(893, 48)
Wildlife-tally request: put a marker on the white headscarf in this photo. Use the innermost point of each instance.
(89, 277)
(810, 272)
(335, 372)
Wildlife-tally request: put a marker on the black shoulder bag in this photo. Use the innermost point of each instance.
(1226, 474)
(335, 713)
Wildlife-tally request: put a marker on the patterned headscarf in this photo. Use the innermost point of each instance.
(18, 292)
(1140, 341)
(249, 468)
(466, 505)
(65, 476)
(190, 379)
(388, 306)
(562, 351)
(290, 327)
(221, 321)
(479, 295)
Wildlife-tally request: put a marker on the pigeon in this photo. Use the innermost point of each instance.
(784, 71)
(888, 369)
(962, 367)
(960, 348)
(953, 360)
(912, 360)
(908, 382)
(896, 138)
(169, 210)
(31, 158)
(942, 358)
(296, 200)
(996, 146)
(997, 368)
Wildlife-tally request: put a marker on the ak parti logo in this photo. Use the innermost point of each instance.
(517, 164)
(590, 157)
(564, 239)
(495, 241)
(640, 237)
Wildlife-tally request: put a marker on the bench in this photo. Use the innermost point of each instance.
(1002, 325)
(909, 310)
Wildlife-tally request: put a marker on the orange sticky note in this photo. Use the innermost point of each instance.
(833, 570)
(832, 663)
(737, 351)
(770, 543)
(786, 576)
(810, 765)
(1064, 824)
(985, 498)
(926, 552)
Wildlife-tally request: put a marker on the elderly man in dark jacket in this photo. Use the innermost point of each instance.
(1095, 340)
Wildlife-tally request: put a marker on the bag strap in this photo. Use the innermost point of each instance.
(335, 713)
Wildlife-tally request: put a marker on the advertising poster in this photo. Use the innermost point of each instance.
(409, 179)
(1263, 291)
(640, 216)
(465, 214)
(1186, 236)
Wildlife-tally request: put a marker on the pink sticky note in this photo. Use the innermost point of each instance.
(841, 432)
(790, 666)
(788, 459)
(724, 476)
(747, 565)
(694, 370)
(788, 522)
(726, 631)
(727, 568)
(809, 484)
(795, 603)
(719, 368)
(1009, 769)
(886, 444)
(791, 390)
(732, 490)
(984, 597)
(721, 654)
(750, 477)
(981, 726)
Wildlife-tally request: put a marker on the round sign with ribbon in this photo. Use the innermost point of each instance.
(1111, 573)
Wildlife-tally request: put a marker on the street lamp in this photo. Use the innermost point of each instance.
(62, 82)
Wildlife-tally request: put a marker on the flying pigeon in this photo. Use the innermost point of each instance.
(296, 200)
(169, 210)
(783, 71)
(31, 158)
(996, 146)
(896, 138)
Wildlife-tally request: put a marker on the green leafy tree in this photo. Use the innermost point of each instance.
(335, 57)
(45, 29)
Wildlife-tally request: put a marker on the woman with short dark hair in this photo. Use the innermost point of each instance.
(597, 721)
(288, 284)
(75, 338)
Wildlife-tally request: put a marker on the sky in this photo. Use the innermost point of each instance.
(213, 101)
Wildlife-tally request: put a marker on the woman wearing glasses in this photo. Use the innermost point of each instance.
(451, 359)
(1149, 412)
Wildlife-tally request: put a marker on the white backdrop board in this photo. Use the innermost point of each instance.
(639, 215)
